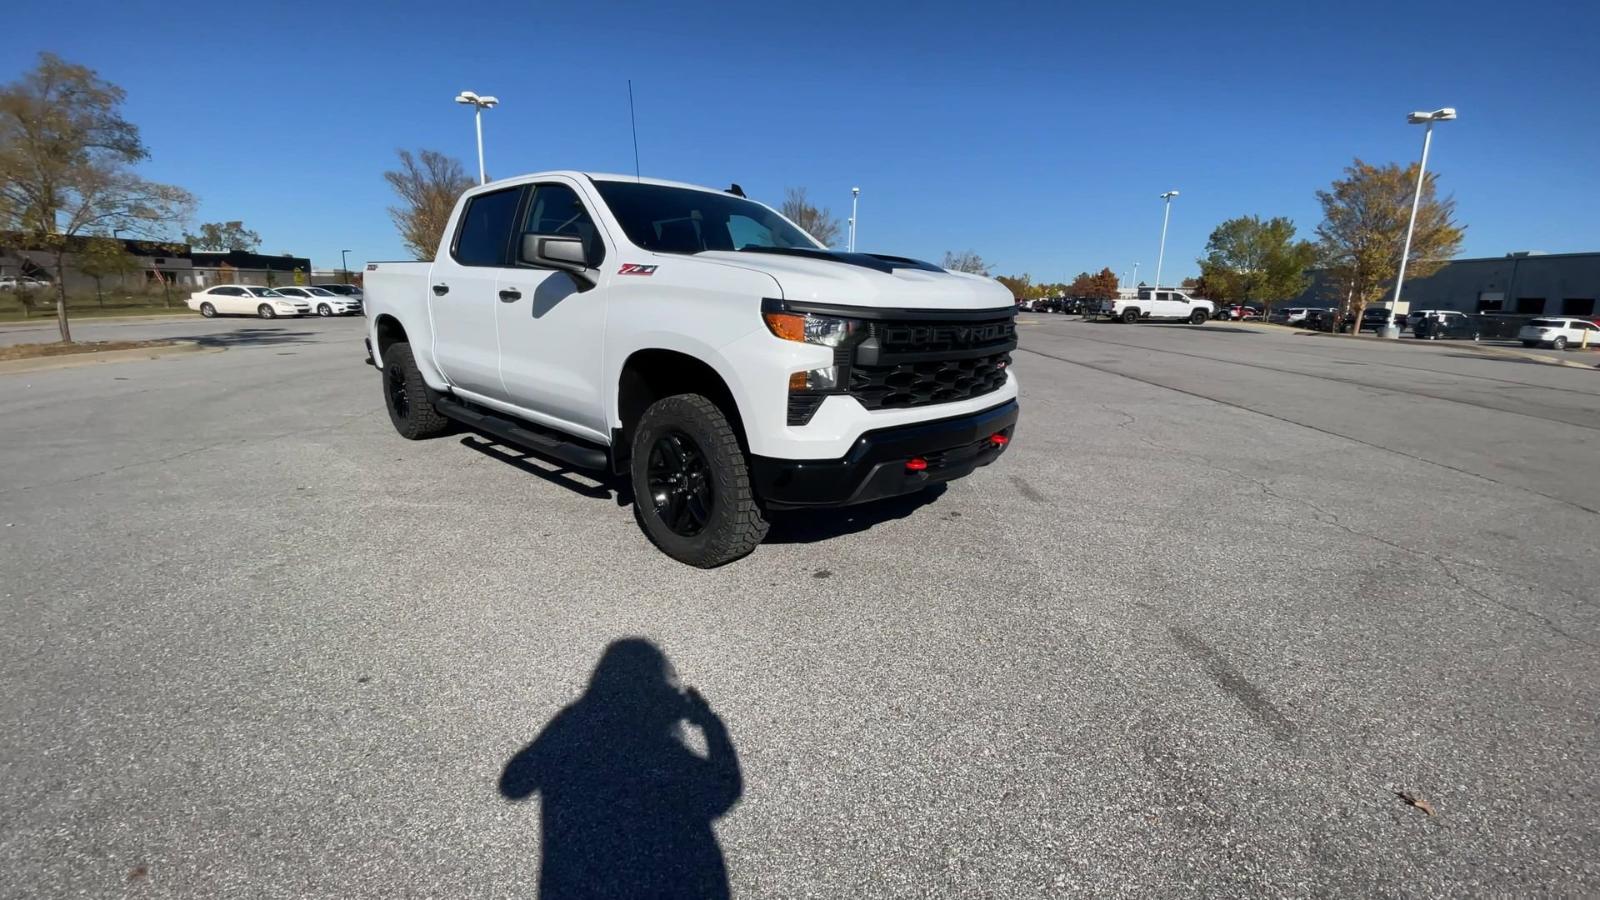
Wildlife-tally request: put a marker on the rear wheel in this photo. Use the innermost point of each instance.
(1198, 317)
(406, 396)
(691, 483)
(207, 310)
(1130, 316)
(1559, 343)
(265, 311)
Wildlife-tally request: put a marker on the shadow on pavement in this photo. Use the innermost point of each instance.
(788, 526)
(626, 806)
(251, 337)
(803, 526)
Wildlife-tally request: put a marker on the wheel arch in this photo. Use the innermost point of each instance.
(648, 375)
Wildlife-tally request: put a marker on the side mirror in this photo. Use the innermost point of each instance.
(562, 252)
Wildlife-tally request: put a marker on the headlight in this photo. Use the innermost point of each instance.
(807, 328)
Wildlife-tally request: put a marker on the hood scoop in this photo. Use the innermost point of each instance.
(877, 262)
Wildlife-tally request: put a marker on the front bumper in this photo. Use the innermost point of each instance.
(875, 467)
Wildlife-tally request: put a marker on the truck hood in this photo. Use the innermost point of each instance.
(861, 279)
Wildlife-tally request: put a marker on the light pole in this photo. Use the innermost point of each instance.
(478, 104)
(1418, 118)
(855, 195)
(344, 265)
(1162, 255)
(1135, 276)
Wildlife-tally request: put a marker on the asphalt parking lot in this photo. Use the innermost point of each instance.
(1240, 613)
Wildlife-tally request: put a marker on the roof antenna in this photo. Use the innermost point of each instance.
(635, 124)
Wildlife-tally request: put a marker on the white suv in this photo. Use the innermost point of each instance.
(1156, 305)
(1558, 333)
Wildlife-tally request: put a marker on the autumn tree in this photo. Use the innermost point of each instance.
(1363, 230)
(1255, 260)
(1020, 286)
(66, 157)
(101, 257)
(428, 185)
(223, 237)
(1102, 285)
(819, 223)
(965, 261)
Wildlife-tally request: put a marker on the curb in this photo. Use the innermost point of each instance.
(77, 360)
(44, 323)
(1471, 346)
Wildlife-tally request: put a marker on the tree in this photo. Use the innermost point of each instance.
(965, 261)
(1020, 286)
(1363, 229)
(428, 185)
(65, 165)
(1102, 285)
(819, 223)
(99, 257)
(1250, 259)
(224, 236)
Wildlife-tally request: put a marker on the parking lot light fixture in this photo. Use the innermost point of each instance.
(344, 265)
(1418, 118)
(478, 104)
(855, 195)
(1162, 254)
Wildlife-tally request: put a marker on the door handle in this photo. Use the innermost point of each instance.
(441, 289)
(510, 294)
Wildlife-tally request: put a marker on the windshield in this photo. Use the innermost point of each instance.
(682, 220)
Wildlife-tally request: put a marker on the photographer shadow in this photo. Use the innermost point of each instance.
(626, 807)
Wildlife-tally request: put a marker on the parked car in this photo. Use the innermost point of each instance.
(1294, 315)
(1558, 333)
(697, 343)
(246, 300)
(1238, 312)
(1436, 325)
(343, 290)
(1416, 315)
(1324, 320)
(323, 301)
(1375, 318)
(21, 283)
(1154, 305)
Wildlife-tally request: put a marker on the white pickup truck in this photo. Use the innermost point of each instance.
(698, 343)
(1159, 305)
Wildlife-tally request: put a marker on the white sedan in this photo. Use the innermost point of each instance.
(323, 301)
(246, 300)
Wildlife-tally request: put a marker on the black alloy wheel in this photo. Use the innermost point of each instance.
(399, 396)
(680, 483)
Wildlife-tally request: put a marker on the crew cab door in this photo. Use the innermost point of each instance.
(462, 292)
(551, 325)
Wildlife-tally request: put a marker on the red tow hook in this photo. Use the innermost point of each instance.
(916, 464)
(999, 440)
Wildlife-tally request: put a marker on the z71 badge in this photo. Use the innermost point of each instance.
(636, 269)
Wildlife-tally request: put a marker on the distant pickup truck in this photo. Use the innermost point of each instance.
(699, 344)
(1161, 305)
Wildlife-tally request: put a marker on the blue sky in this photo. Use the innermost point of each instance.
(1038, 134)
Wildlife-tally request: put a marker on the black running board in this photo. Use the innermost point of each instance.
(529, 437)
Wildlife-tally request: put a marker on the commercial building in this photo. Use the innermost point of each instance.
(1517, 284)
(148, 265)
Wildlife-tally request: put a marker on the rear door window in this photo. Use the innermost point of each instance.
(484, 235)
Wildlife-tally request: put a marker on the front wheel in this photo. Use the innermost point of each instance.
(1559, 343)
(1129, 317)
(1198, 317)
(691, 483)
(208, 310)
(324, 309)
(265, 312)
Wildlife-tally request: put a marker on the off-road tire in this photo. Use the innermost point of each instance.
(266, 311)
(735, 524)
(411, 411)
(1198, 317)
(1130, 316)
(207, 310)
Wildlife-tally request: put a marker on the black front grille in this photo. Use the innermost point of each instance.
(930, 381)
